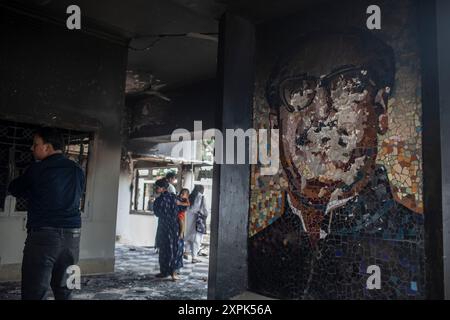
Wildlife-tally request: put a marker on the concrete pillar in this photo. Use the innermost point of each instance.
(443, 53)
(188, 178)
(231, 184)
(435, 78)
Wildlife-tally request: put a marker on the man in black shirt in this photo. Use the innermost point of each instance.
(53, 186)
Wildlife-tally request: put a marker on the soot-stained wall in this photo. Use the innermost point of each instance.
(69, 79)
(343, 218)
(155, 117)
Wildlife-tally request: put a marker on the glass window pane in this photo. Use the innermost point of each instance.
(143, 172)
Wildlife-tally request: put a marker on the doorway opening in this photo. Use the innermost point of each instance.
(137, 251)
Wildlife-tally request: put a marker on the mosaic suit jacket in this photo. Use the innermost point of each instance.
(370, 229)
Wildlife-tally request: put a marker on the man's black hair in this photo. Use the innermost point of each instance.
(51, 136)
(170, 175)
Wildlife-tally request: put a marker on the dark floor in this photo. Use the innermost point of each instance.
(134, 279)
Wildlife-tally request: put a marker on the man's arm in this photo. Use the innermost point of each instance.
(81, 179)
(20, 186)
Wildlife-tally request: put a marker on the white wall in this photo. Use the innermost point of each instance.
(12, 239)
(133, 229)
(123, 206)
(98, 231)
(141, 230)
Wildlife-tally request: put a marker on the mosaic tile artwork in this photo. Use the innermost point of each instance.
(348, 197)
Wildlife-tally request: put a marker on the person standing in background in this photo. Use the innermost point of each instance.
(193, 238)
(183, 204)
(166, 209)
(172, 179)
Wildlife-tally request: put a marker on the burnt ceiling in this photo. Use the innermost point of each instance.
(166, 46)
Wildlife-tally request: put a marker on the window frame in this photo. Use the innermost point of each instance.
(10, 201)
(152, 181)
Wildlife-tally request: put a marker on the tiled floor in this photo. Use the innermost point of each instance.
(134, 279)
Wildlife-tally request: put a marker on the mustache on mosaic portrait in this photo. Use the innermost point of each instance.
(303, 141)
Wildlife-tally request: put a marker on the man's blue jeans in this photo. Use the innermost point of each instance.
(47, 254)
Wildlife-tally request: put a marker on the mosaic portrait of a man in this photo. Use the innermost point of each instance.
(330, 95)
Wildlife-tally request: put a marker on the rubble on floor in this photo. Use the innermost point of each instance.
(134, 279)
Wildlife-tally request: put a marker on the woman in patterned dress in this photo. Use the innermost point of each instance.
(166, 209)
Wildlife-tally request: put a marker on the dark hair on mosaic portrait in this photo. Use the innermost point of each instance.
(51, 136)
(374, 55)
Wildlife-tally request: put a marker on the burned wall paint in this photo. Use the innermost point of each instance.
(151, 116)
(349, 195)
(73, 80)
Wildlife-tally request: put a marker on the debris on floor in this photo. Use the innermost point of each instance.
(134, 279)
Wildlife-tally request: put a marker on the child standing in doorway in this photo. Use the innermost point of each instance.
(183, 204)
